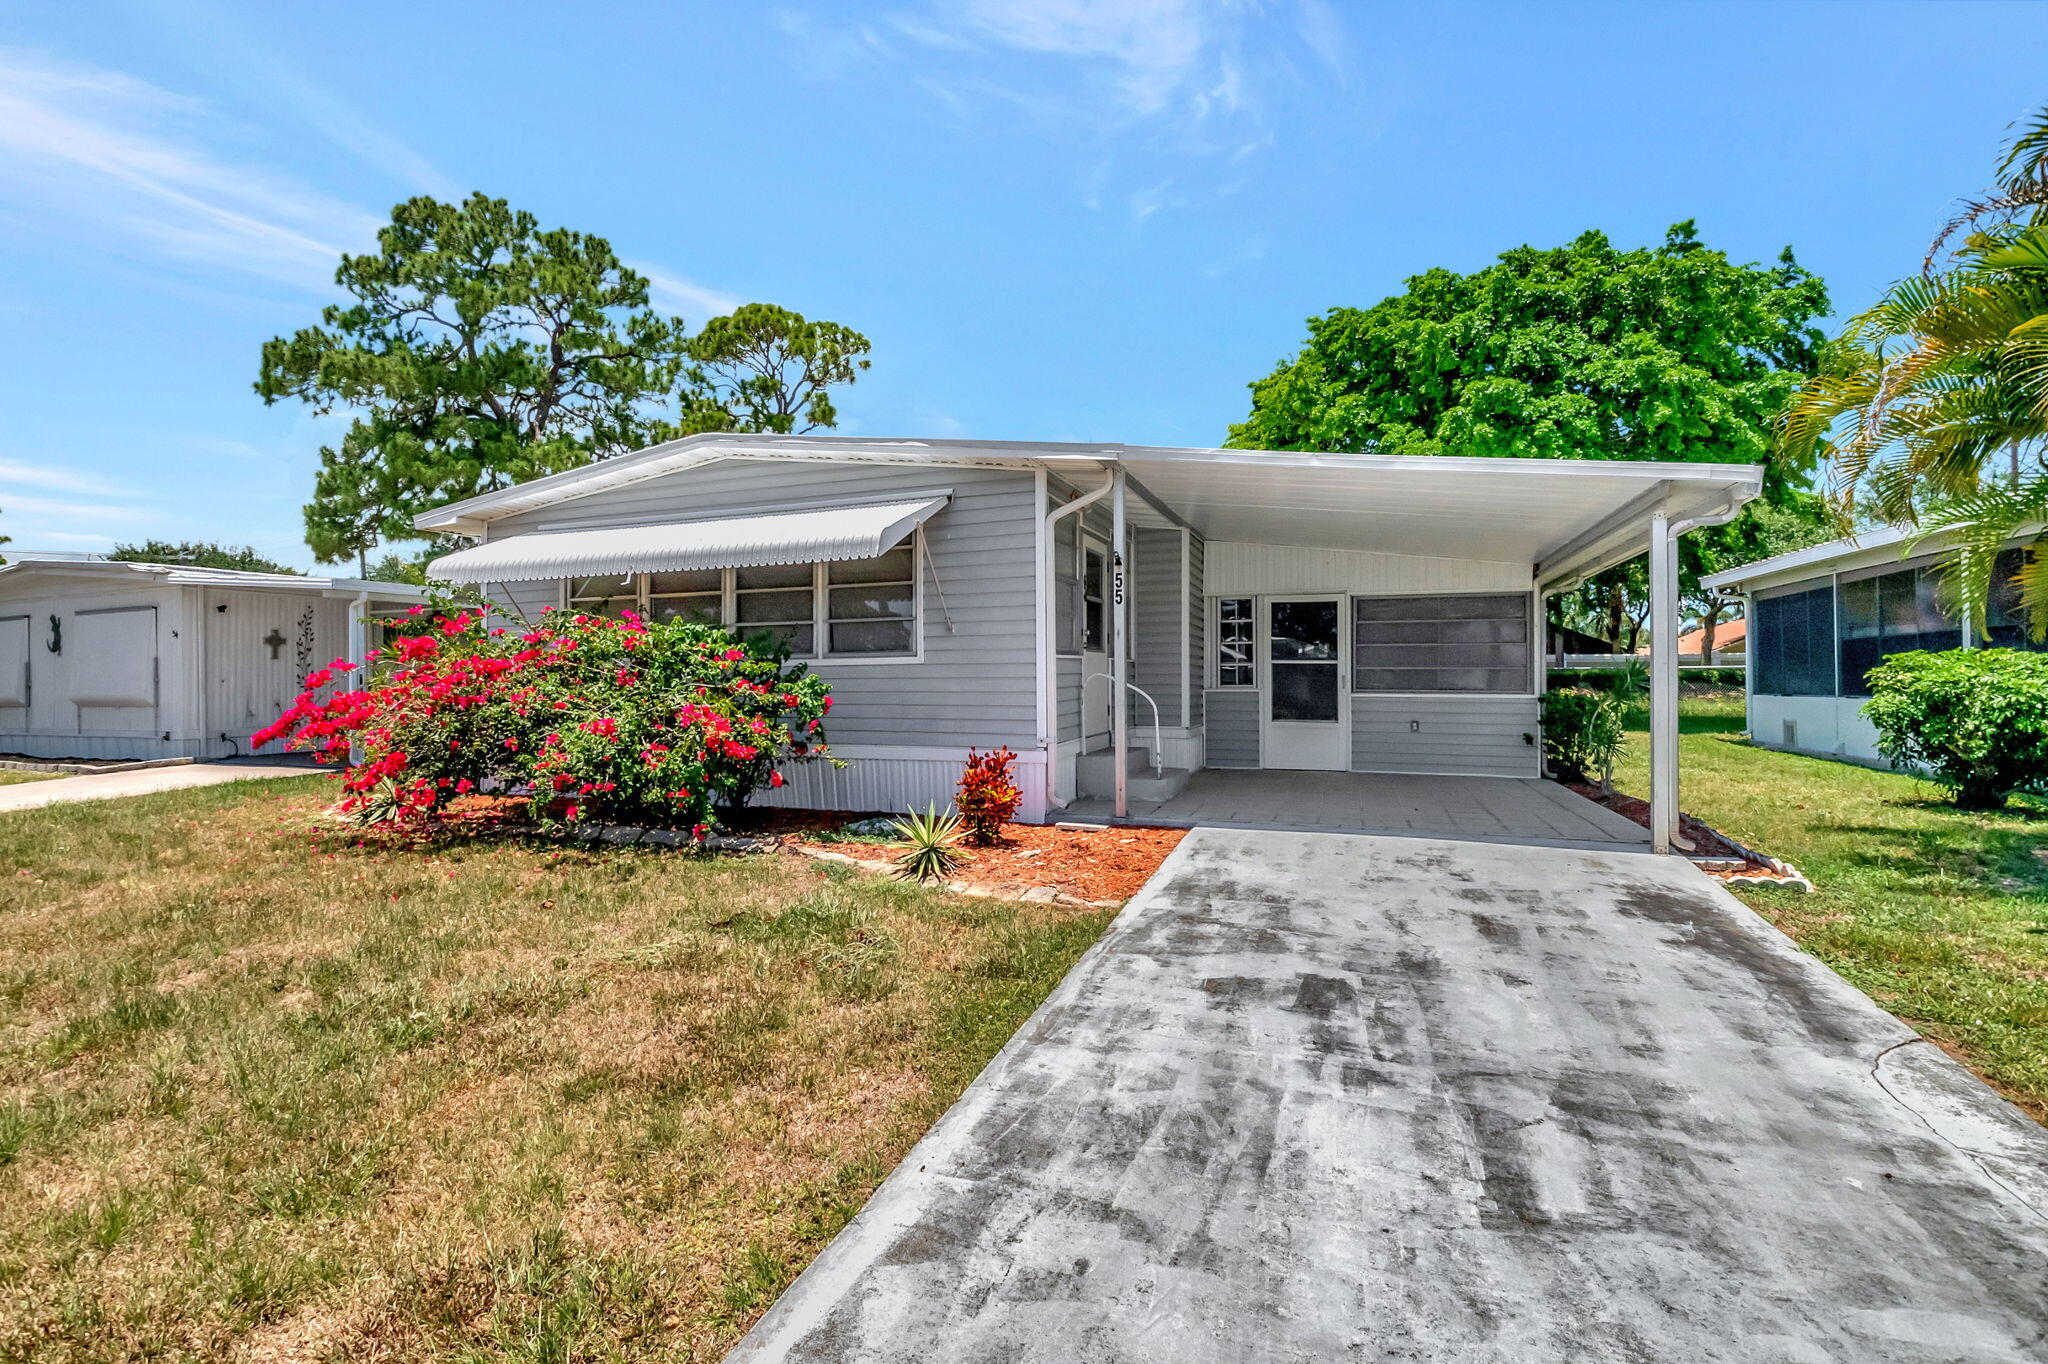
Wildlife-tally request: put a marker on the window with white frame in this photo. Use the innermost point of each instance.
(1234, 627)
(1094, 600)
(1066, 577)
(850, 608)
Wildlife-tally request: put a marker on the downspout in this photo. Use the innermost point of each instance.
(1048, 624)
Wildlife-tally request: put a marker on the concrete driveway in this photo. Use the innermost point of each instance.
(143, 781)
(1320, 1096)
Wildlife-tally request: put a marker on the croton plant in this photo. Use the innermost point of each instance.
(624, 720)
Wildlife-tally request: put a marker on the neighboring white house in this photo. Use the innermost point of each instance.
(107, 659)
(1820, 618)
(1282, 610)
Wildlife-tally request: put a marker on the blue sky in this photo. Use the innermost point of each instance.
(1055, 219)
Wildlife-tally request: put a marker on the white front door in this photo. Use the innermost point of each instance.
(1096, 687)
(1307, 712)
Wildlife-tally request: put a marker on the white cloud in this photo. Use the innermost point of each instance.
(1169, 62)
(230, 53)
(43, 475)
(65, 537)
(673, 294)
(232, 449)
(23, 504)
(1174, 77)
(104, 154)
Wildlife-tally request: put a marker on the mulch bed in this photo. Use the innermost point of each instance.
(1087, 864)
(1706, 841)
(1091, 864)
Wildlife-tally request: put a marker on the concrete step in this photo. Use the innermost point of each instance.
(1095, 777)
(1165, 786)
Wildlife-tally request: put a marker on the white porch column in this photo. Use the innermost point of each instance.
(358, 629)
(1120, 653)
(357, 653)
(1663, 683)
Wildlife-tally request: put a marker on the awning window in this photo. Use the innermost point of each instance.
(754, 541)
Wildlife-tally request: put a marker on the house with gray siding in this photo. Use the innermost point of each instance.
(1821, 618)
(1120, 616)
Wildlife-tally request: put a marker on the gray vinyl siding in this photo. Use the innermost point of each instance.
(975, 683)
(1156, 623)
(526, 601)
(1069, 698)
(1457, 735)
(1197, 606)
(1233, 731)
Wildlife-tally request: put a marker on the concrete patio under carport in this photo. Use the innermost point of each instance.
(1476, 809)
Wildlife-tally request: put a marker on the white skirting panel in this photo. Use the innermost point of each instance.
(110, 747)
(890, 780)
(1827, 726)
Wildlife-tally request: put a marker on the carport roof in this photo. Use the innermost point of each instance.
(1565, 518)
(189, 575)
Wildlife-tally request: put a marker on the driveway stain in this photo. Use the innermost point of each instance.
(1323, 1097)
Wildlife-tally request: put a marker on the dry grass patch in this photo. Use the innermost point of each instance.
(269, 1095)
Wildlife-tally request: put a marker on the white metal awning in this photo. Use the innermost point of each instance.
(796, 537)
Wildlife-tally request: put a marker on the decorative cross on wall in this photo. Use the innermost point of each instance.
(275, 640)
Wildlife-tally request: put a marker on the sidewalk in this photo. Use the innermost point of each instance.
(29, 795)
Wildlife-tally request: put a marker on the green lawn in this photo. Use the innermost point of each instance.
(1940, 916)
(11, 778)
(272, 1095)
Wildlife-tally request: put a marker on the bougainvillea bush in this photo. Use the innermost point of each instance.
(626, 720)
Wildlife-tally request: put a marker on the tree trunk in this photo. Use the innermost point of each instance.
(1707, 624)
(1614, 616)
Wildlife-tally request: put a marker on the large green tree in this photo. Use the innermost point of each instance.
(764, 368)
(1583, 351)
(479, 350)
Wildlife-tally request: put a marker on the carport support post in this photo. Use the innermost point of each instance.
(358, 649)
(1120, 653)
(1663, 683)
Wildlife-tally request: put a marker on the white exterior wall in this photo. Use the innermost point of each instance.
(1825, 726)
(1235, 569)
(1442, 733)
(210, 672)
(53, 724)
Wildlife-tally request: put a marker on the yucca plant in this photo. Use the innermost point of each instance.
(932, 838)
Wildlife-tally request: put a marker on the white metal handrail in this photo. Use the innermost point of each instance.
(1158, 764)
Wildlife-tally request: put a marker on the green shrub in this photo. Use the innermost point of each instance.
(1583, 733)
(1976, 720)
(623, 720)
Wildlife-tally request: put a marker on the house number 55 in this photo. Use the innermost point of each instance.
(1116, 582)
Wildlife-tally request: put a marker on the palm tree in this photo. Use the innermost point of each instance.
(1932, 407)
